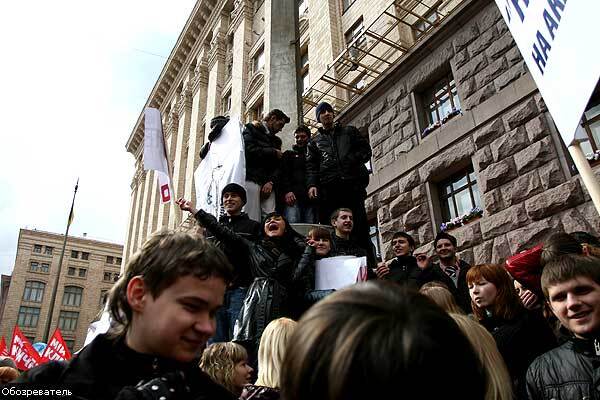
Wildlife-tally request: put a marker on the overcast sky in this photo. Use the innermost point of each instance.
(74, 78)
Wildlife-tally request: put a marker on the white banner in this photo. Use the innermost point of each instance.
(225, 163)
(558, 40)
(155, 155)
(338, 272)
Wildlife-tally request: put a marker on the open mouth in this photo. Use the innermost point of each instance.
(273, 226)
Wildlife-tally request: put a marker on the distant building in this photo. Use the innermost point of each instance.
(90, 267)
(439, 87)
(4, 285)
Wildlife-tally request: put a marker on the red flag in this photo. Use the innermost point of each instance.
(3, 349)
(25, 356)
(56, 350)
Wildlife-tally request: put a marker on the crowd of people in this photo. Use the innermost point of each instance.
(235, 313)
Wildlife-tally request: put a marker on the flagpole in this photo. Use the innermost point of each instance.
(62, 254)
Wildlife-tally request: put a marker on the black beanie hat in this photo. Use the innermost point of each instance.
(322, 107)
(234, 188)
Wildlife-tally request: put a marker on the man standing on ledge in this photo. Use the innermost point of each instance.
(337, 175)
(263, 155)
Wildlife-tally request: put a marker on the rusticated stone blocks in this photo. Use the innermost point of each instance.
(564, 196)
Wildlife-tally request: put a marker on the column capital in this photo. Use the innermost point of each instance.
(184, 102)
(242, 9)
(200, 76)
(172, 121)
(217, 49)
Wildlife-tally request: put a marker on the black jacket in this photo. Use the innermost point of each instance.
(293, 174)
(108, 369)
(271, 263)
(404, 270)
(460, 292)
(338, 156)
(571, 371)
(262, 164)
(520, 341)
(246, 227)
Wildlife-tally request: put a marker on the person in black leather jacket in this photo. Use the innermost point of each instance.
(162, 312)
(271, 261)
(263, 158)
(571, 285)
(336, 172)
(403, 268)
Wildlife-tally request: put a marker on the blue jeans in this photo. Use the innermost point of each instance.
(226, 315)
(297, 214)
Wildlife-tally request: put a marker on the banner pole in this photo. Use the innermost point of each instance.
(585, 171)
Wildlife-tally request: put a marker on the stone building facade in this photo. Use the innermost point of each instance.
(502, 146)
(90, 267)
(498, 150)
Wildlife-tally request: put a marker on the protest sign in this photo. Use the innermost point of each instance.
(25, 356)
(339, 272)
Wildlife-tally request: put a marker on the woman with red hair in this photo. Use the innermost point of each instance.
(521, 336)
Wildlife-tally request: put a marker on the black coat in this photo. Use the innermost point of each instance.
(338, 156)
(571, 371)
(107, 369)
(271, 263)
(520, 341)
(293, 174)
(304, 292)
(251, 230)
(262, 164)
(460, 291)
(404, 270)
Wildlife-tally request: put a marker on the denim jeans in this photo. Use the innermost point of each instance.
(297, 214)
(226, 316)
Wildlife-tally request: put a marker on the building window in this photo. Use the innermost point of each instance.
(72, 296)
(256, 112)
(459, 195)
(107, 277)
(115, 277)
(45, 267)
(28, 316)
(74, 254)
(34, 266)
(590, 122)
(37, 248)
(71, 271)
(70, 343)
(34, 291)
(82, 272)
(226, 103)
(48, 250)
(354, 31)
(426, 23)
(103, 297)
(304, 69)
(302, 7)
(85, 256)
(67, 320)
(258, 61)
(119, 260)
(374, 235)
(346, 4)
(110, 259)
(305, 82)
(440, 102)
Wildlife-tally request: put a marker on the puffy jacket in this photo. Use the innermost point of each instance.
(293, 174)
(262, 164)
(338, 155)
(271, 263)
(246, 227)
(571, 371)
(404, 270)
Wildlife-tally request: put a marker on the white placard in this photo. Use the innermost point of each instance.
(339, 272)
(559, 42)
(155, 155)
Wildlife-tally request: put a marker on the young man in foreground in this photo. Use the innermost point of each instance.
(571, 285)
(163, 312)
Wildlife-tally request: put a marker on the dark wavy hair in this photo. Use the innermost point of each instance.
(166, 256)
(375, 339)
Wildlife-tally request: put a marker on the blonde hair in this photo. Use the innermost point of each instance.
(498, 386)
(219, 361)
(271, 351)
(441, 296)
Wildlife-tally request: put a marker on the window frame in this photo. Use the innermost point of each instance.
(25, 315)
(107, 274)
(70, 317)
(256, 58)
(36, 268)
(443, 196)
(110, 260)
(346, 4)
(34, 294)
(72, 298)
(74, 253)
(37, 248)
(80, 270)
(48, 250)
(353, 32)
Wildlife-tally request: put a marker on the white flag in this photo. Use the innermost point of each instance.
(155, 154)
(225, 163)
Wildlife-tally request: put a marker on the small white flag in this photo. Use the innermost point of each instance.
(155, 154)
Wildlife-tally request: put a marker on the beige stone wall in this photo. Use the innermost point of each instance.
(92, 284)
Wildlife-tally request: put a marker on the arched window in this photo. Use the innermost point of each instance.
(34, 291)
(72, 296)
